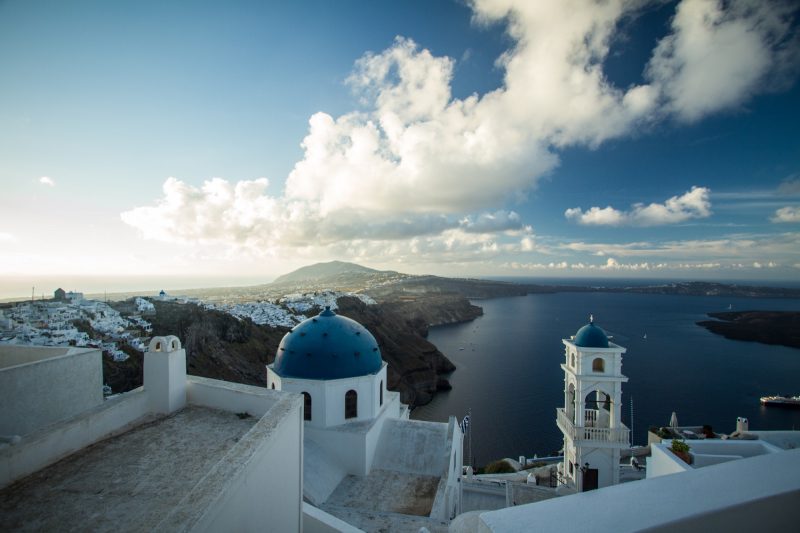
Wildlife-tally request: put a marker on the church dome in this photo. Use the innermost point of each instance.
(327, 346)
(591, 336)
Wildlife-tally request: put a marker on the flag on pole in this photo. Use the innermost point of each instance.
(465, 424)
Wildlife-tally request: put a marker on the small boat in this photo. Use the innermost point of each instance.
(645, 336)
(781, 401)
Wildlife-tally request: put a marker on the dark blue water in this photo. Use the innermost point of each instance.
(508, 371)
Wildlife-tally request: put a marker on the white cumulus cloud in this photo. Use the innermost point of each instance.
(786, 214)
(718, 53)
(45, 180)
(692, 204)
(414, 164)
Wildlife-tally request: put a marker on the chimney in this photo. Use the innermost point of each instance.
(165, 375)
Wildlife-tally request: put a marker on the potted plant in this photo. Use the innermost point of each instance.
(681, 449)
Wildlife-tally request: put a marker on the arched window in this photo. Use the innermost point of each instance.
(351, 404)
(306, 406)
(573, 360)
(599, 365)
(571, 402)
(273, 385)
(158, 346)
(381, 393)
(173, 345)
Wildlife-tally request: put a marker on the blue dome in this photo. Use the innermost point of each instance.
(590, 336)
(327, 346)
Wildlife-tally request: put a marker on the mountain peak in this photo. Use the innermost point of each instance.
(321, 271)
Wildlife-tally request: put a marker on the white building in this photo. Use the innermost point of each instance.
(704, 452)
(74, 296)
(181, 453)
(364, 459)
(594, 434)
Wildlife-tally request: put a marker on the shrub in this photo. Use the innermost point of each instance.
(499, 467)
(664, 433)
(679, 446)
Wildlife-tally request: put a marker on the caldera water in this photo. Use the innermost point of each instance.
(509, 376)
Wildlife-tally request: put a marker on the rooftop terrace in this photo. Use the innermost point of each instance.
(129, 482)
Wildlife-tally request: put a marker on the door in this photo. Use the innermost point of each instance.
(589, 479)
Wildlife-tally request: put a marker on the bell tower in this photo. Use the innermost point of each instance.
(590, 420)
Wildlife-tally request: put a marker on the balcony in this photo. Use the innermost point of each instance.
(590, 435)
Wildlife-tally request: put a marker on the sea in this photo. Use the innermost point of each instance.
(509, 378)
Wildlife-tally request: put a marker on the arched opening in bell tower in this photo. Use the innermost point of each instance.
(571, 402)
(597, 409)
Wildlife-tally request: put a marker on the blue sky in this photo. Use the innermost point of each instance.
(231, 142)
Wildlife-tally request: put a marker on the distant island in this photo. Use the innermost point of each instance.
(767, 327)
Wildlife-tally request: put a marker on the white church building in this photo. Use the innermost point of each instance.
(364, 460)
(590, 420)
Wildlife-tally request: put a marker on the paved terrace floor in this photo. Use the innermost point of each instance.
(377, 502)
(126, 483)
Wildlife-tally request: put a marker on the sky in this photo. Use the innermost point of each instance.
(226, 143)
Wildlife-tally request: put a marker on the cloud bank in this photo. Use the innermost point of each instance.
(692, 204)
(420, 170)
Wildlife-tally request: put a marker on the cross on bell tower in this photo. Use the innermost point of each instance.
(590, 420)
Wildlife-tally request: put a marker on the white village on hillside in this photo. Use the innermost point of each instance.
(325, 446)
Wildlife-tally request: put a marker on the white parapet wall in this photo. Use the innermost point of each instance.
(318, 521)
(233, 397)
(753, 494)
(704, 452)
(46, 446)
(258, 485)
(40, 386)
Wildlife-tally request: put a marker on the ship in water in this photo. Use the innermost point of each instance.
(781, 401)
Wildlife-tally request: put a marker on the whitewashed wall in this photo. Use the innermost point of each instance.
(56, 385)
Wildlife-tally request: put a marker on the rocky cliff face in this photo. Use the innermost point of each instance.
(416, 367)
(221, 347)
(218, 345)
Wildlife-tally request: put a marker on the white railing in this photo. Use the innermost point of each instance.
(616, 435)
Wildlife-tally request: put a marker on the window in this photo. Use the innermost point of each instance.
(571, 468)
(573, 360)
(306, 406)
(599, 365)
(381, 393)
(273, 385)
(351, 404)
(158, 346)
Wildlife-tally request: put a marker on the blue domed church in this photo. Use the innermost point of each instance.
(335, 363)
(358, 439)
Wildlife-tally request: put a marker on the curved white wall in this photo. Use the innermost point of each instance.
(328, 396)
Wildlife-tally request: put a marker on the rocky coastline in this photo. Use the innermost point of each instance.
(766, 327)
